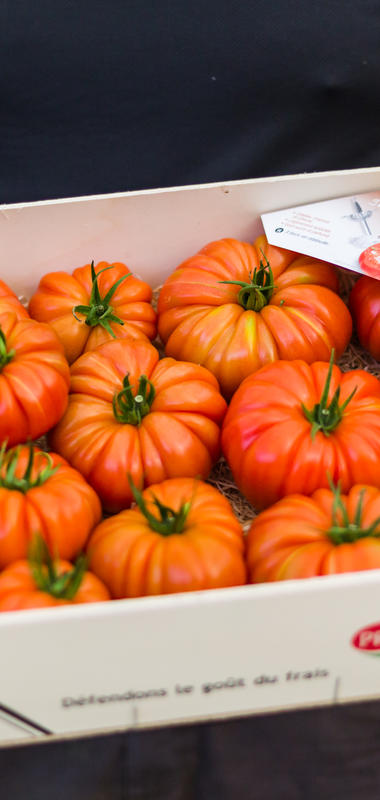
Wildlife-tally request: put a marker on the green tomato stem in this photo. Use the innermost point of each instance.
(168, 521)
(349, 532)
(8, 465)
(130, 409)
(256, 294)
(99, 311)
(323, 417)
(5, 355)
(45, 575)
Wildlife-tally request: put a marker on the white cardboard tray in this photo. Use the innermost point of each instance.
(188, 657)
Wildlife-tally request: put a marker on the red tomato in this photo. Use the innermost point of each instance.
(234, 307)
(183, 536)
(369, 261)
(9, 302)
(93, 306)
(129, 412)
(365, 307)
(41, 493)
(20, 590)
(34, 379)
(302, 537)
(290, 424)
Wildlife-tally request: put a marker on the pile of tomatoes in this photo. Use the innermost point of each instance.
(118, 504)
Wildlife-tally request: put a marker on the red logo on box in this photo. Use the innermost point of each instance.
(368, 639)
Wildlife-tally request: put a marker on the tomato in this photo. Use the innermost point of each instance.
(41, 493)
(182, 536)
(94, 305)
(369, 260)
(129, 412)
(21, 589)
(34, 379)
(291, 423)
(302, 537)
(234, 307)
(365, 308)
(9, 302)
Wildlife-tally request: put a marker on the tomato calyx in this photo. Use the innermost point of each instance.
(99, 311)
(349, 532)
(8, 466)
(325, 417)
(129, 408)
(5, 355)
(168, 521)
(62, 586)
(256, 294)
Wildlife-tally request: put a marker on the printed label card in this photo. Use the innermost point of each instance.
(344, 231)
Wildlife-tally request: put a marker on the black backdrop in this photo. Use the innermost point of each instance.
(100, 96)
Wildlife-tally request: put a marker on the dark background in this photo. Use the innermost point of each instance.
(99, 97)
(324, 754)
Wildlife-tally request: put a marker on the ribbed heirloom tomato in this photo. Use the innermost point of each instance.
(365, 307)
(34, 379)
(234, 307)
(182, 536)
(94, 305)
(129, 412)
(291, 424)
(9, 302)
(327, 533)
(41, 493)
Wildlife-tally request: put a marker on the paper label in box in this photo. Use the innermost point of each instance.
(340, 231)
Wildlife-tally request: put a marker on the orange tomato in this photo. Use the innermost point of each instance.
(40, 492)
(302, 537)
(234, 307)
(291, 423)
(182, 536)
(129, 412)
(94, 305)
(34, 379)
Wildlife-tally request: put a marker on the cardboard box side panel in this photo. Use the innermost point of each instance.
(151, 231)
(176, 659)
(246, 653)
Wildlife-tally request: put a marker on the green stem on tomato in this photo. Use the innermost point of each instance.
(256, 293)
(63, 586)
(5, 355)
(168, 521)
(99, 311)
(349, 532)
(8, 467)
(324, 417)
(129, 408)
